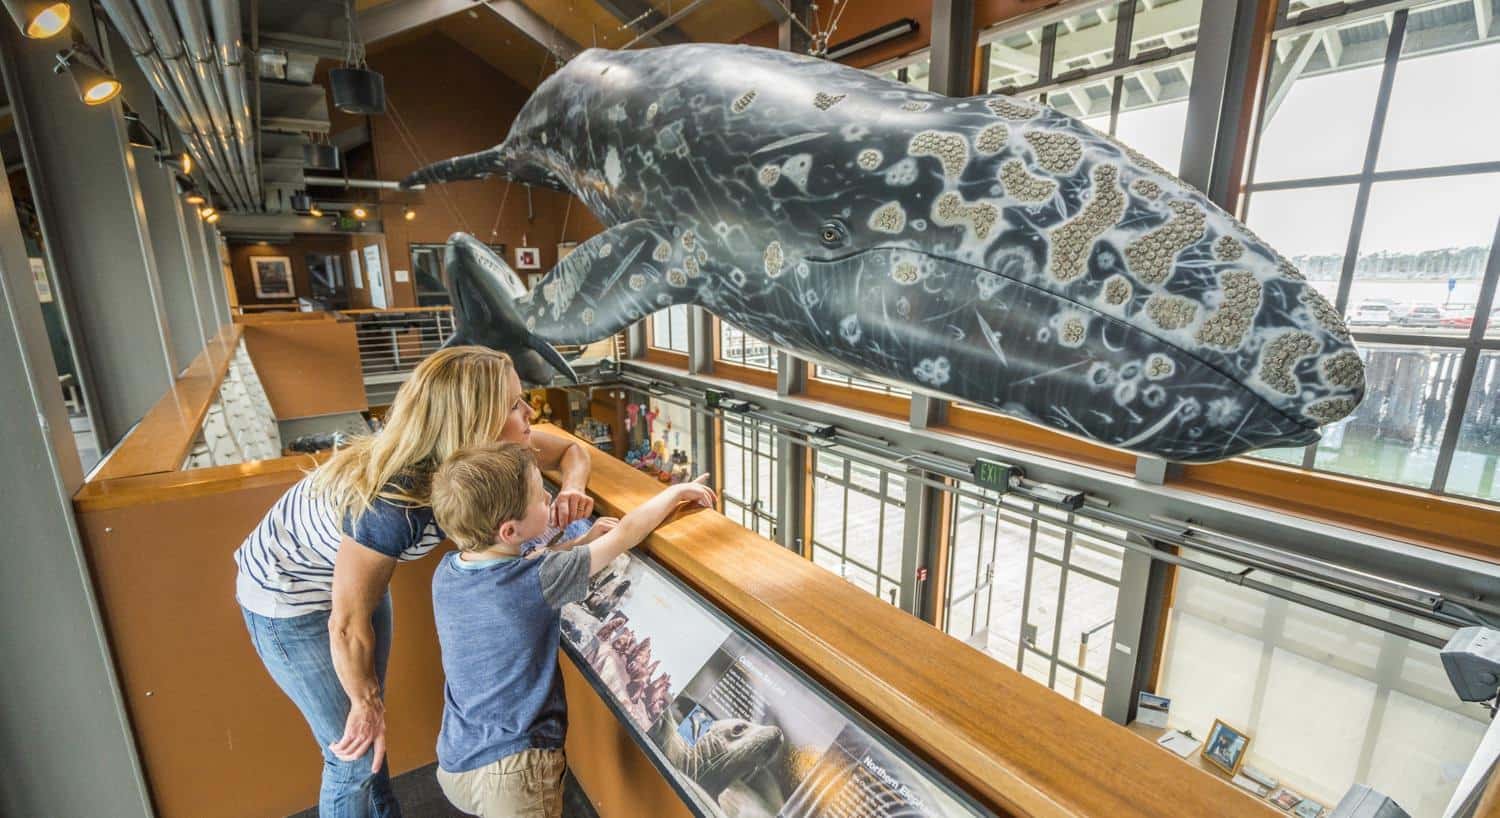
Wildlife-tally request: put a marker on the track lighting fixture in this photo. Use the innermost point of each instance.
(193, 197)
(96, 86)
(207, 213)
(39, 19)
(137, 134)
(213, 218)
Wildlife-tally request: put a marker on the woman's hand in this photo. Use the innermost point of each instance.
(364, 727)
(569, 505)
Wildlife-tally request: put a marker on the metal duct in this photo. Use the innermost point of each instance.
(166, 86)
(367, 184)
(231, 52)
(201, 48)
(200, 92)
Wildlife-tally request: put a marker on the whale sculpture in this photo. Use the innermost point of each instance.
(988, 249)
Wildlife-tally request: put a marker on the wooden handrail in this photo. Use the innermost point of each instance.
(143, 489)
(1015, 745)
(162, 439)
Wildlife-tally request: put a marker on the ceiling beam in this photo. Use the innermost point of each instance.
(638, 15)
(396, 16)
(535, 27)
(776, 9)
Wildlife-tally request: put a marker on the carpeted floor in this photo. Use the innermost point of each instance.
(420, 797)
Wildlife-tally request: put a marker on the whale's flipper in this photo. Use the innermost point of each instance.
(485, 293)
(615, 279)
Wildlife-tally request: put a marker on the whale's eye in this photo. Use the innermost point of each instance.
(833, 233)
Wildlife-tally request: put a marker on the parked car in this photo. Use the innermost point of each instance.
(1423, 314)
(1371, 312)
(1457, 316)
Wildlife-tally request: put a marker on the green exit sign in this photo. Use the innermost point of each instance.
(994, 475)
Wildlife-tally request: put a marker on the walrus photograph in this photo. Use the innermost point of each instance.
(745, 732)
(619, 628)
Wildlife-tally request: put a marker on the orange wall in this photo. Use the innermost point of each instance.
(453, 103)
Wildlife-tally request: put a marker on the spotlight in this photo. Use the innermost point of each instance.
(39, 19)
(96, 86)
(408, 214)
(360, 213)
(194, 198)
(314, 212)
(213, 218)
(137, 134)
(208, 213)
(187, 163)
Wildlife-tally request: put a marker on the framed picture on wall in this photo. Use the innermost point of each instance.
(273, 277)
(528, 258)
(1226, 747)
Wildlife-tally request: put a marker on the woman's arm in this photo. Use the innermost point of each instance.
(571, 503)
(361, 577)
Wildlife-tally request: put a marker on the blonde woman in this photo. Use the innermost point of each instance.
(314, 576)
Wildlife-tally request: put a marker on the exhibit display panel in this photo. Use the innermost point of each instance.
(734, 727)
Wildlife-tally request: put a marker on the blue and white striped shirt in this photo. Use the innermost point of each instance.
(286, 564)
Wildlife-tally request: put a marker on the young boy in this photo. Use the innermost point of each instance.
(498, 622)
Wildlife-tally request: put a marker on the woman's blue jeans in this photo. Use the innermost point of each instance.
(296, 652)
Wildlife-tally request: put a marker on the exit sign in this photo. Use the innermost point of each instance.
(994, 475)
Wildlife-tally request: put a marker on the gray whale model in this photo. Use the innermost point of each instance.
(987, 248)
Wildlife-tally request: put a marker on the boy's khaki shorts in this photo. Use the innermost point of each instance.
(528, 784)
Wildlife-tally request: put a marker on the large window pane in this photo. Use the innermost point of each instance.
(1436, 117)
(1310, 226)
(858, 511)
(1156, 129)
(1395, 433)
(1422, 253)
(1164, 25)
(749, 475)
(1477, 457)
(738, 347)
(669, 329)
(1087, 102)
(1317, 123)
(1085, 40)
(1328, 702)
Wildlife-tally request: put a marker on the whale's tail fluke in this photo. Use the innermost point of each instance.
(484, 290)
(469, 166)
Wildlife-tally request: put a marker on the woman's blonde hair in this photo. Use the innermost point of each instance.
(456, 398)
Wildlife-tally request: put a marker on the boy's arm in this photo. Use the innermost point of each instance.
(634, 527)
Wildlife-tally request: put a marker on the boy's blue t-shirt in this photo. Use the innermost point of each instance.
(499, 626)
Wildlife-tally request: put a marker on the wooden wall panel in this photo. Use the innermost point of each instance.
(216, 736)
(308, 368)
(614, 772)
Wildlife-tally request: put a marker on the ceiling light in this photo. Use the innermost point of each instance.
(207, 212)
(360, 212)
(96, 86)
(187, 163)
(39, 19)
(314, 211)
(194, 198)
(213, 218)
(408, 214)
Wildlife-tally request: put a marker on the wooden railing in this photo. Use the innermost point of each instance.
(1016, 746)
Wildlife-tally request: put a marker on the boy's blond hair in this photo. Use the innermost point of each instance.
(478, 489)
